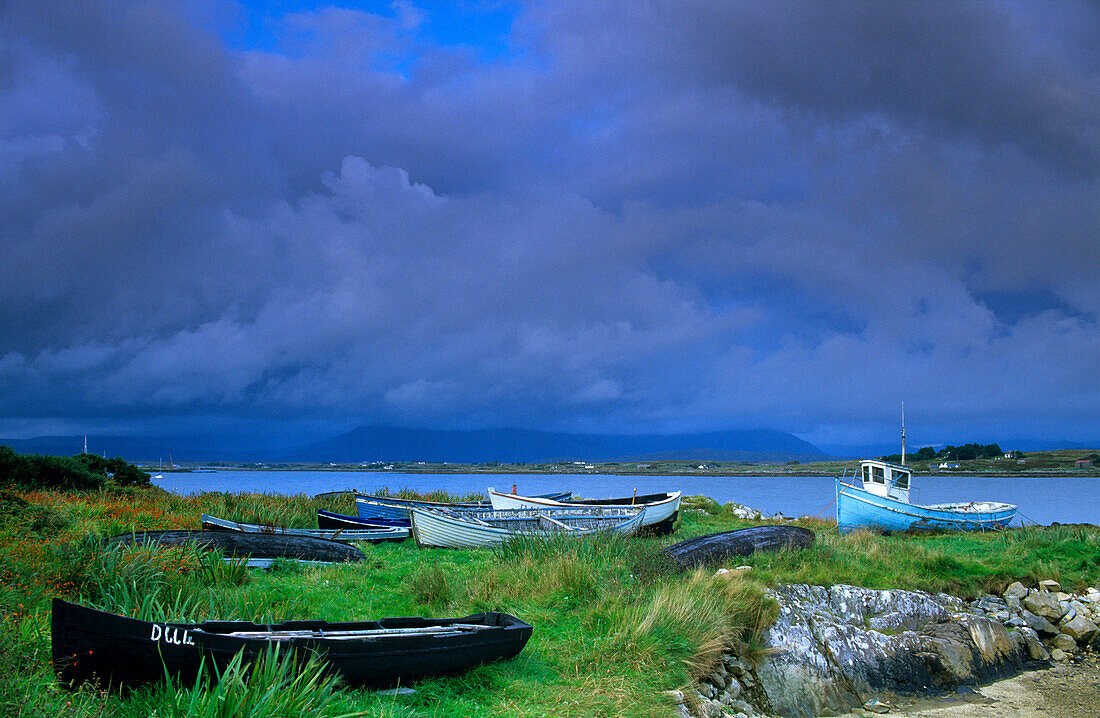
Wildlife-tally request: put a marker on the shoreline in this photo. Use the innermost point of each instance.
(764, 473)
(1067, 690)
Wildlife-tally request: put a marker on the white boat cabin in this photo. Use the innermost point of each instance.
(883, 478)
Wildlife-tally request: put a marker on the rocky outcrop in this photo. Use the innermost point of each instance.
(1064, 622)
(836, 648)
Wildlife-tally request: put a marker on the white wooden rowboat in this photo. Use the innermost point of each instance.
(658, 507)
(444, 529)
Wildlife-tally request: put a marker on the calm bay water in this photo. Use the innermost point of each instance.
(1043, 500)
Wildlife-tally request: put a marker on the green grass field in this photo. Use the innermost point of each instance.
(614, 627)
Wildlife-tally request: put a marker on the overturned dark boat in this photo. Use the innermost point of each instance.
(715, 549)
(248, 545)
(363, 532)
(92, 645)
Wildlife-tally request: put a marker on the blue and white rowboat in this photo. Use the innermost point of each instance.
(879, 500)
(396, 509)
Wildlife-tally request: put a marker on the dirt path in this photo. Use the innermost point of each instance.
(1066, 690)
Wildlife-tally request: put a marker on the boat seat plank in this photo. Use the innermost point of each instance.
(555, 523)
(363, 633)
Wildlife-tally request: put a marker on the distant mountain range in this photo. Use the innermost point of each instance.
(378, 443)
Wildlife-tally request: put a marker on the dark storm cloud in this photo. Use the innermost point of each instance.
(636, 216)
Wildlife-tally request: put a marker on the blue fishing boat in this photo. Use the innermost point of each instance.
(878, 499)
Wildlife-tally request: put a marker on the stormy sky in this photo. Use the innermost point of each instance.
(288, 219)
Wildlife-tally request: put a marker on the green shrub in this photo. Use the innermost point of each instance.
(81, 472)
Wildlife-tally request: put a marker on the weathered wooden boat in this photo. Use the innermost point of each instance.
(92, 645)
(660, 509)
(717, 548)
(452, 529)
(243, 545)
(332, 520)
(363, 533)
(389, 507)
(879, 500)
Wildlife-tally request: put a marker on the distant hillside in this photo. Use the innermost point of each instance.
(523, 445)
(139, 449)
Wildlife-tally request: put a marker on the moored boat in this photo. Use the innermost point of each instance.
(879, 500)
(660, 514)
(93, 645)
(349, 535)
(449, 529)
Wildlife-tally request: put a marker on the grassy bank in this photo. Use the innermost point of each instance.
(613, 627)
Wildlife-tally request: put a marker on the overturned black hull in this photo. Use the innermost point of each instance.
(715, 549)
(112, 650)
(247, 545)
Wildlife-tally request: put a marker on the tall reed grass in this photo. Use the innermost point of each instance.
(277, 685)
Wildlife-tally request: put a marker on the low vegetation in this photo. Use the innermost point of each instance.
(83, 471)
(614, 627)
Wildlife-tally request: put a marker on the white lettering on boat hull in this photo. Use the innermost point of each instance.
(174, 636)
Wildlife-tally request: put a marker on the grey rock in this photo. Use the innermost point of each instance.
(1049, 584)
(733, 690)
(1013, 602)
(1043, 604)
(1038, 623)
(991, 604)
(826, 658)
(1017, 590)
(1065, 642)
(1080, 629)
(1081, 609)
(992, 640)
(676, 696)
(1035, 649)
(1058, 654)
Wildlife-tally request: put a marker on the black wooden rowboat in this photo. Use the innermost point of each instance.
(92, 645)
(240, 545)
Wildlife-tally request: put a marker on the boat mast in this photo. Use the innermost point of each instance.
(903, 433)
